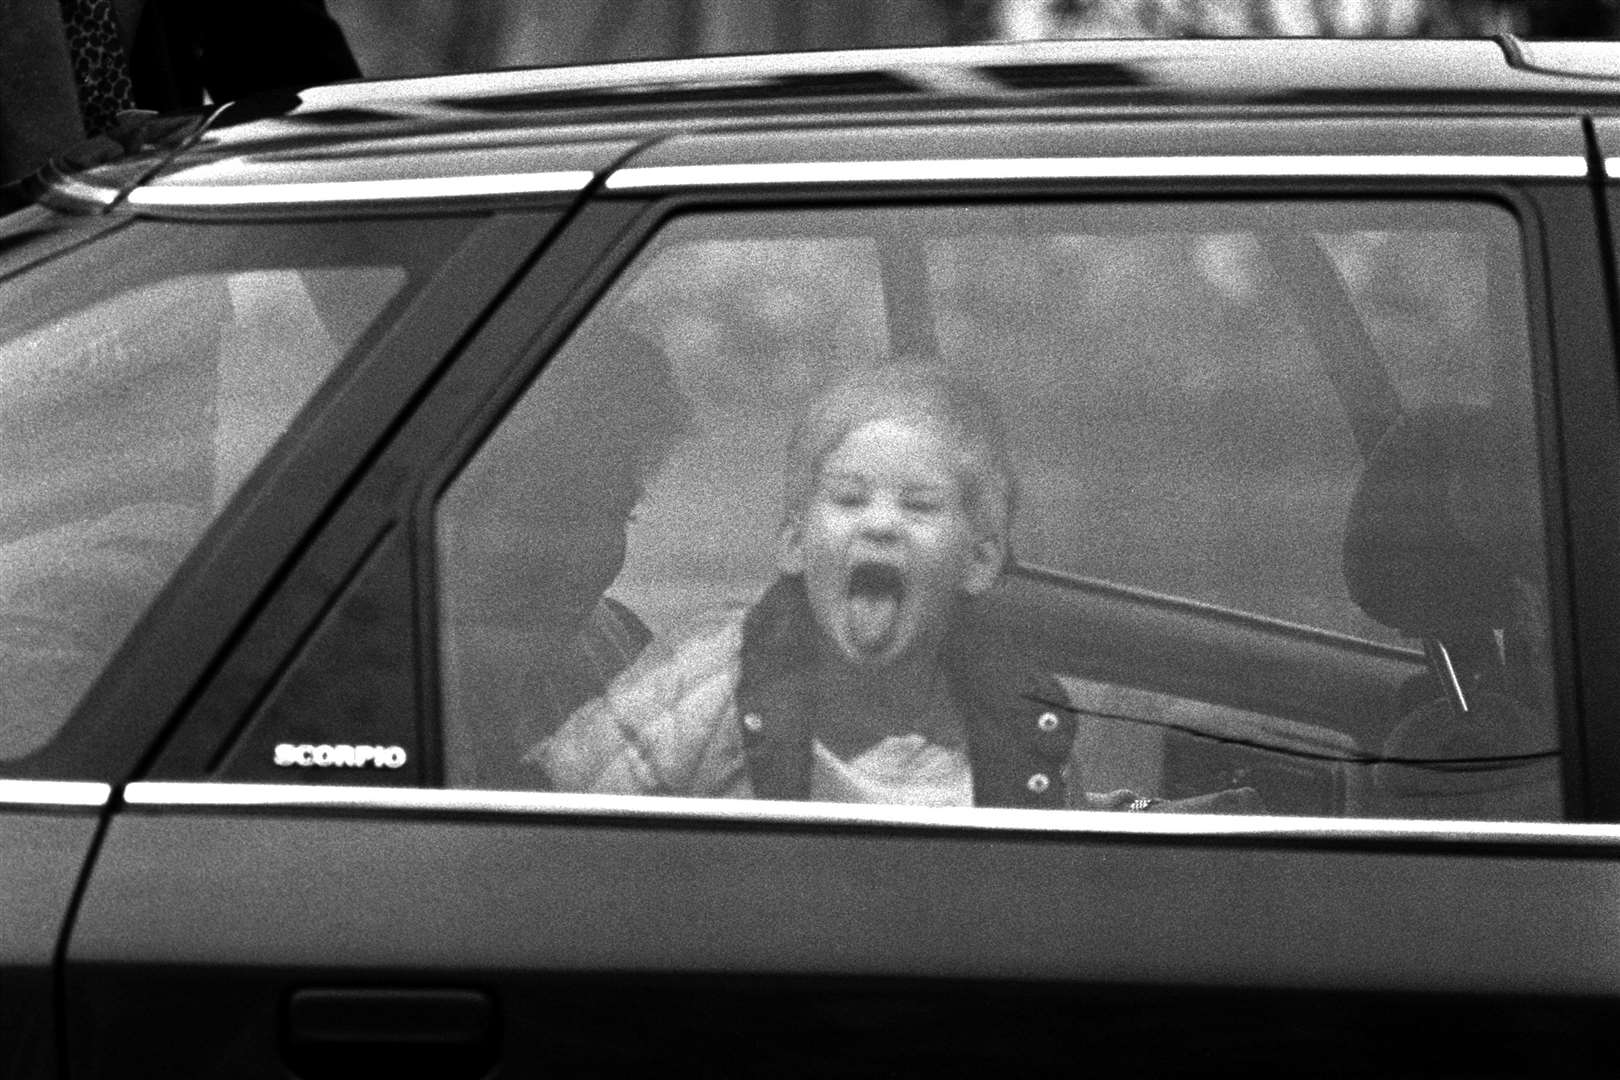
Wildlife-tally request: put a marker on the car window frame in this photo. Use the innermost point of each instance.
(374, 509)
(1517, 199)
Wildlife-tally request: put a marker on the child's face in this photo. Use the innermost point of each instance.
(886, 544)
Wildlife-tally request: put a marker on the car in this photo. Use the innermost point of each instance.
(396, 471)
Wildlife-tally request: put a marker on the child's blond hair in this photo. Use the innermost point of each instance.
(912, 393)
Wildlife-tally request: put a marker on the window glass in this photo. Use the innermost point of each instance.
(142, 377)
(1224, 507)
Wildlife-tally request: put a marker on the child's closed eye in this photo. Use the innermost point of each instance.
(924, 501)
(846, 496)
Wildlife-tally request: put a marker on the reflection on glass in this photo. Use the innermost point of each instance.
(142, 378)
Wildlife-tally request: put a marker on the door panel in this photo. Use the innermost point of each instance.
(529, 907)
(44, 851)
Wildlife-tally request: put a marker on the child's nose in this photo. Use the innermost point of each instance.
(882, 519)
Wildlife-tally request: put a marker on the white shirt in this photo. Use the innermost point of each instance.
(901, 770)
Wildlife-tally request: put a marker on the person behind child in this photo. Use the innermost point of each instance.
(865, 672)
(533, 534)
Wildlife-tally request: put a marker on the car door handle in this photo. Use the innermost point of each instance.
(345, 1031)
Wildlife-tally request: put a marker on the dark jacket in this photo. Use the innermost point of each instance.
(182, 48)
(1020, 729)
(728, 711)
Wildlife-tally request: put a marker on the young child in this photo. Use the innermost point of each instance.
(865, 672)
(841, 681)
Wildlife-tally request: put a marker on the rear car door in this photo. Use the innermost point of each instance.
(373, 873)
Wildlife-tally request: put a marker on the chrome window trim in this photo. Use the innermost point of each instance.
(174, 794)
(328, 192)
(54, 793)
(640, 178)
(77, 191)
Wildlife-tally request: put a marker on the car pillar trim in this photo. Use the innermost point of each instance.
(54, 793)
(1099, 168)
(361, 191)
(171, 794)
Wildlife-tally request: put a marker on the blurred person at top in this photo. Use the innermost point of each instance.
(73, 72)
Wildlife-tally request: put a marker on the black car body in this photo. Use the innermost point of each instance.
(241, 837)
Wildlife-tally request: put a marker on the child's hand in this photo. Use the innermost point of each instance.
(1243, 800)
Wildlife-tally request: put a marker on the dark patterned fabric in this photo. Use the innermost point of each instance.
(99, 65)
(233, 48)
(609, 642)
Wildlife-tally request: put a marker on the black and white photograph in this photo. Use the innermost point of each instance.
(809, 538)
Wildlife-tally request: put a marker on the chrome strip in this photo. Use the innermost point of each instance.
(361, 191)
(54, 793)
(76, 190)
(1208, 60)
(1098, 168)
(202, 794)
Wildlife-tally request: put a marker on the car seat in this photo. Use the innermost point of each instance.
(1443, 543)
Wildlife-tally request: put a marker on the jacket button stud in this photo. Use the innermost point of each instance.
(1047, 722)
(753, 722)
(1038, 783)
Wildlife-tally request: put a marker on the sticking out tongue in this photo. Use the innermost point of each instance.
(872, 611)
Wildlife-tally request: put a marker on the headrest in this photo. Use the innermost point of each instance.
(1445, 516)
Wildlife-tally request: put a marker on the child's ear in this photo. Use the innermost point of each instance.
(989, 555)
(790, 548)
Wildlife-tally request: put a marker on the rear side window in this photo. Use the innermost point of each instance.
(142, 378)
(1223, 508)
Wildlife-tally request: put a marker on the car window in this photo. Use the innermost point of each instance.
(1210, 507)
(142, 378)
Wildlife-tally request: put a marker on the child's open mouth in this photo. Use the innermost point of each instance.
(872, 611)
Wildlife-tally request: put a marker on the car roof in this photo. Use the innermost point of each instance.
(555, 129)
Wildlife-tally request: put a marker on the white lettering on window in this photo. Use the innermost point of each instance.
(339, 755)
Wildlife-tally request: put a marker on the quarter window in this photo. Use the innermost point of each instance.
(143, 377)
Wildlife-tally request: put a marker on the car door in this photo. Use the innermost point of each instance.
(321, 909)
